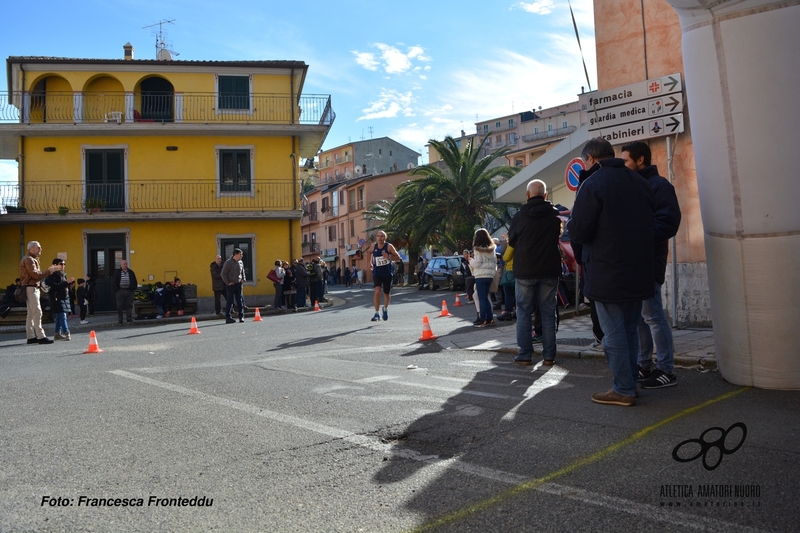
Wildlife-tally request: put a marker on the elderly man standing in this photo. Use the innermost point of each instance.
(233, 276)
(31, 278)
(619, 273)
(217, 285)
(124, 284)
(534, 234)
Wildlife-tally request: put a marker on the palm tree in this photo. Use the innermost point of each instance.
(449, 203)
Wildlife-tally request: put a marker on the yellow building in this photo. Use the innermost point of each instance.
(164, 163)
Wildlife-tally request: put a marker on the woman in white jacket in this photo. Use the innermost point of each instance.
(483, 266)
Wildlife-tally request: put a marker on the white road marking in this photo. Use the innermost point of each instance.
(648, 512)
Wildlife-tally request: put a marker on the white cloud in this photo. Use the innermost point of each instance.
(390, 104)
(366, 60)
(541, 7)
(392, 60)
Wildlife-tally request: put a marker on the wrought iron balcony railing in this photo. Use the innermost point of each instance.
(188, 107)
(150, 196)
(548, 134)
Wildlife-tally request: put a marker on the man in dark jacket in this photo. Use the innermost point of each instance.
(302, 282)
(233, 276)
(613, 219)
(534, 234)
(123, 285)
(653, 325)
(217, 285)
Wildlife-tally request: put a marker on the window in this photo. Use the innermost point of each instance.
(536, 130)
(351, 200)
(352, 228)
(458, 143)
(564, 124)
(360, 193)
(332, 233)
(497, 124)
(499, 139)
(234, 92)
(235, 172)
(511, 123)
(512, 138)
(105, 179)
(518, 162)
(549, 127)
(245, 244)
(485, 128)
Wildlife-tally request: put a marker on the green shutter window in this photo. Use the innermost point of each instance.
(234, 92)
(234, 171)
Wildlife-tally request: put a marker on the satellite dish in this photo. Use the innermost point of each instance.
(358, 171)
(410, 166)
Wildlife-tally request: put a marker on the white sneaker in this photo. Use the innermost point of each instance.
(84, 321)
(159, 316)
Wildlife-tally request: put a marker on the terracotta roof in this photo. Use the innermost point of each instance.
(250, 63)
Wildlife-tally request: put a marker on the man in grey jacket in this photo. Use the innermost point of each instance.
(233, 277)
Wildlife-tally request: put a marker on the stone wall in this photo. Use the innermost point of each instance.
(694, 301)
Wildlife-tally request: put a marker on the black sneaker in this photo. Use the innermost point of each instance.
(659, 379)
(44, 340)
(644, 374)
(477, 322)
(33, 341)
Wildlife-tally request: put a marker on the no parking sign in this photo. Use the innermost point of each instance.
(573, 172)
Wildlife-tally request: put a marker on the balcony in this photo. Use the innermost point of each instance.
(310, 217)
(150, 199)
(548, 134)
(188, 113)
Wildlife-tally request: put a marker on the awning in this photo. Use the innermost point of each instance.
(352, 252)
(329, 259)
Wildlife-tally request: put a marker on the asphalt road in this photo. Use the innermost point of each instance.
(327, 422)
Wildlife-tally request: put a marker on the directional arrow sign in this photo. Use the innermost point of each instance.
(644, 129)
(634, 92)
(635, 112)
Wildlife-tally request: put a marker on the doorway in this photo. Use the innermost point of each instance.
(106, 251)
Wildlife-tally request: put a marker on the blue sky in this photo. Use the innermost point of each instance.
(410, 70)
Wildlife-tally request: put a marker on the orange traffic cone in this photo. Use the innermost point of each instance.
(93, 347)
(427, 334)
(194, 330)
(258, 316)
(316, 305)
(458, 301)
(444, 309)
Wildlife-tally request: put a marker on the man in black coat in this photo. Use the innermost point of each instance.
(534, 234)
(613, 219)
(653, 325)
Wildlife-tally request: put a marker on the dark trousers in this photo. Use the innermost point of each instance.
(234, 297)
(83, 311)
(316, 292)
(301, 296)
(217, 302)
(125, 304)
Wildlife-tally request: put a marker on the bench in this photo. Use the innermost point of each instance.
(143, 308)
(16, 317)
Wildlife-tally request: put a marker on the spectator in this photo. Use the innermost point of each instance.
(280, 273)
(613, 201)
(31, 277)
(178, 296)
(83, 296)
(483, 267)
(159, 299)
(60, 306)
(347, 277)
(217, 285)
(91, 293)
(534, 234)
(289, 287)
(316, 281)
(123, 285)
(233, 276)
(301, 281)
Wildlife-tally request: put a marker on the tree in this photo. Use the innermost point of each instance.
(449, 203)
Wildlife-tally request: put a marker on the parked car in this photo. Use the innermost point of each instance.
(444, 271)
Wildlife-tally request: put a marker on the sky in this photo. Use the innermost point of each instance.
(411, 71)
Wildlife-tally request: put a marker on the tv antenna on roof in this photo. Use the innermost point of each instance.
(163, 52)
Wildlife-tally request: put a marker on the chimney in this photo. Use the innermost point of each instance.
(128, 47)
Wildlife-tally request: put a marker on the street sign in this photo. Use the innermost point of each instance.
(643, 110)
(637, 111)
(572, 173)
(646, 129)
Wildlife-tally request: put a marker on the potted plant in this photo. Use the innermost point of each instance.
(15, 209)
(94, 205)
(63, 210)
(305, 245)
(324, 209)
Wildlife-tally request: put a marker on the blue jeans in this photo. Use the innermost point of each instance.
(653, 326)
(620, 323)
(60, 320)
(234, 297)
(510, 298)
(542, 291)
(482, 288)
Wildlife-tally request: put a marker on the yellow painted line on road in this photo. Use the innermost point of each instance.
(580, 463)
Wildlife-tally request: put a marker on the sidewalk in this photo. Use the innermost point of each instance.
(694, 348)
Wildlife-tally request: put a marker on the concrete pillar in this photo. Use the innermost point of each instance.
(742, 82)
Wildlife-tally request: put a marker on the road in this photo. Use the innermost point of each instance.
(327, 422)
